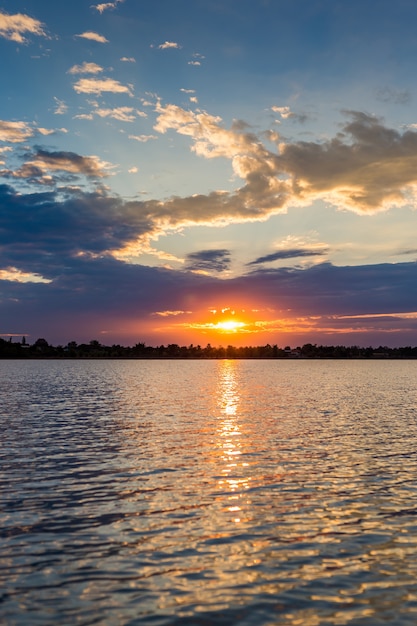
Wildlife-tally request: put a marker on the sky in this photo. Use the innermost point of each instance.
(233, 172)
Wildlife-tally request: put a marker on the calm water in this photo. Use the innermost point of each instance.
(200, 493)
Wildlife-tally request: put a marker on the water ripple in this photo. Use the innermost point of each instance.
(202, 493)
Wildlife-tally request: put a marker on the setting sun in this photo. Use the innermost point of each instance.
(229, 326)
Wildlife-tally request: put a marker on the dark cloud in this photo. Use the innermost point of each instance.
(89, 294)
(351, 290)
(287, 254)
(208, 261)
(44, 229)
(43, 167)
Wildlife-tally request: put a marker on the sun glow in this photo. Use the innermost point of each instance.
(230, 326)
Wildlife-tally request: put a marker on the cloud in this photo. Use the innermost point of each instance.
(123, 114)
(143, 138)
(365, 168)
(207, 261)
(169, 45)
(194, 63)
(97, 86)
(171, 313)
(91, 36)
(85, 68)
(61, 108)
(128, 60)
(106, 6)
(287, 254)
(84, 116)
(40, 165)
(284, 112)
(14, 27)
(325, 289)
(13, 274)
(70, 236)
(90, 166)
(15, 132)
(65, 241)
(263, 193)
(42, 229)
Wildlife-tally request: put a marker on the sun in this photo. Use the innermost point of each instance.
(230, 326)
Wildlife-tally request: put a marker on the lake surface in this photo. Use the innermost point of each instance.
(208, 492)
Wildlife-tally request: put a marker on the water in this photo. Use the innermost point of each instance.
(212, 492)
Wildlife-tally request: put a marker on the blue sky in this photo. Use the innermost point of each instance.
(166, 167)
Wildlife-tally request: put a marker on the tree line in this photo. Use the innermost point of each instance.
(95, 350)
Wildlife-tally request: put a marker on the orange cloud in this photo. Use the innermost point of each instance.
(14, 27)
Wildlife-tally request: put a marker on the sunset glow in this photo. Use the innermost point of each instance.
(229, 326)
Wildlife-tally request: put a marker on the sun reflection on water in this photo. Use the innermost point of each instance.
(234, 482)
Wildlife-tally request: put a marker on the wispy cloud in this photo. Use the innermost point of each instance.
(143, 138)
(196, 59)
(85, 68)
(97, 86)
(106, 6)
(171, 313)
(123, 114)
(15, 27)
(60, 107)
(169, 45)
(128, 60)
(84, 116)
(287, 254)
(92, 36)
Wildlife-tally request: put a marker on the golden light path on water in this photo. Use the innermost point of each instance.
(230, 434)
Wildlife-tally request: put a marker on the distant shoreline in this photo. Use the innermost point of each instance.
(41, 349)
